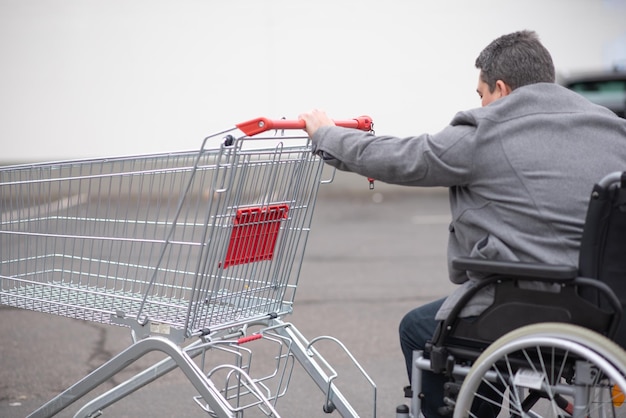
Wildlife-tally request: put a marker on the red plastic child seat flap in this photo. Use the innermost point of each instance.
(254, 234)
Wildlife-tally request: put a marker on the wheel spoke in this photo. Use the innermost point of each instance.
(553, 370)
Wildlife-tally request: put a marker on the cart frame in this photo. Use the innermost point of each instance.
(203, 245)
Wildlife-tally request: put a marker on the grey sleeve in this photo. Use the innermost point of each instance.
(443, 159)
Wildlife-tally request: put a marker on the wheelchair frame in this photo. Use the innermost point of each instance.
(519, 359)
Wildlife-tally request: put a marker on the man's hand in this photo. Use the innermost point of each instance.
(314, 120)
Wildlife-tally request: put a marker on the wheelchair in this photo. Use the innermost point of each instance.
(540, 351)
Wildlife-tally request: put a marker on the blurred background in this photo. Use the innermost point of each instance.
(84, 78)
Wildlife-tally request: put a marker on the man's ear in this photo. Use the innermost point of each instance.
(504, 88)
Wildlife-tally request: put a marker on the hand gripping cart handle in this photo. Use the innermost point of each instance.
(203, 245)
(259, 125)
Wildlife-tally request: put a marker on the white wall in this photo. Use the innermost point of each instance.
(85, 78)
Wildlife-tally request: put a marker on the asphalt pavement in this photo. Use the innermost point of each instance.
(372, 255)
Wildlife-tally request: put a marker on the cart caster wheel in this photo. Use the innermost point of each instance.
(402, 411)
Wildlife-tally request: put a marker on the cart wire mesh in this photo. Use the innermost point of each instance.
(195, 240)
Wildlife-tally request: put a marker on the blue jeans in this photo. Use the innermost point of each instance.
(416, 328)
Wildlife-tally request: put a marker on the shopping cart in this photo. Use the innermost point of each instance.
(201, 247)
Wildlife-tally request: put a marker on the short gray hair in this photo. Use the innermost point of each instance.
(518, 59)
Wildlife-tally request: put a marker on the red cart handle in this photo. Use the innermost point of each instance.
(258, 125)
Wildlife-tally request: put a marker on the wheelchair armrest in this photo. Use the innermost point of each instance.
(536, 271)
(497, 271)
(503, 271)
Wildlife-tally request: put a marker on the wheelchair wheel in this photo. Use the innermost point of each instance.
(546, 370)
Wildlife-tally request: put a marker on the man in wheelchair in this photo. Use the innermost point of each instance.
(519, 171)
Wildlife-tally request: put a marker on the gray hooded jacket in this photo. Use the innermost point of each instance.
(519, 172)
